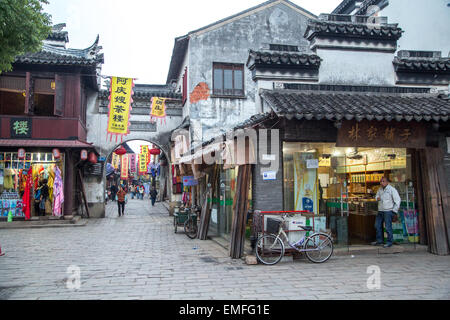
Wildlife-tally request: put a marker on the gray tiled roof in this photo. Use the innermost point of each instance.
(147, 91)
(358, 30)
(439, 65)
(293, 60)
(52, 55)
(359, 106)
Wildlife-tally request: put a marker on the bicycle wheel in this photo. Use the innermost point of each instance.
(318, 247)
(190, 228)
(269, 249)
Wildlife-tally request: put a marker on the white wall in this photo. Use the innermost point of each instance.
(356, 67)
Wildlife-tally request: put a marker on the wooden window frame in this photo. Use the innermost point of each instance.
(31, 90)
(228, 66)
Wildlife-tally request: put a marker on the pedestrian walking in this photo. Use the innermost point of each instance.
(132, 191)
(121, 198)
(153, 194)
(388, 206)
(113, 192)
(141, 192)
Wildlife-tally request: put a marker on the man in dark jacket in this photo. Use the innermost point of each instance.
(153, 194)
(114, 192)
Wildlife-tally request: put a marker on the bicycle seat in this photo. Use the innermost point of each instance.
(307, 228)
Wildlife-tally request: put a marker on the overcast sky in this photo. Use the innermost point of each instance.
(137, 36)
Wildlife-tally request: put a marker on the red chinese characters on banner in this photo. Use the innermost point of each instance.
(124, 167)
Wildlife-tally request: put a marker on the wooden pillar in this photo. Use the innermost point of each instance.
(418, 187)
(240, 210)
(435, 199)
(69, 180)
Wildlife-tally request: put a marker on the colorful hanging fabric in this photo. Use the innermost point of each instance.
(58, 193)
(26, 199)
(50, 183)
(8, 182)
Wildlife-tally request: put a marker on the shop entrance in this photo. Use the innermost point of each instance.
(339, 185)
(45, 186)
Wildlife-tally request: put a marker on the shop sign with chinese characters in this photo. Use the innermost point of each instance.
(124, 168)
(21, 128)
(382, 134)
(120, 105)
(142, 163)
(158, 109)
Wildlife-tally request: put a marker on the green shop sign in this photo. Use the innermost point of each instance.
(21, 128)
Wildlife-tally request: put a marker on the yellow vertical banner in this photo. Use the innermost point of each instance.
(124, 167)
(144, 149)
(142, 164)
(115, 161)
(158, 108)
(120, 106)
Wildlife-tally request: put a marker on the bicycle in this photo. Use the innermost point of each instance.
(190, 225)
(270, 248)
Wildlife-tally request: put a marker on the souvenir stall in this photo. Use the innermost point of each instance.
(31, 184)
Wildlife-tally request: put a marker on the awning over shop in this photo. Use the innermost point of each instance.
(216, 145)
(335, 105)
(44, 143)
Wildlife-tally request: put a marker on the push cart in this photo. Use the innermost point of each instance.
(179, 217)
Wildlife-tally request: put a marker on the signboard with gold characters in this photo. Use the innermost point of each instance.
(119, 106)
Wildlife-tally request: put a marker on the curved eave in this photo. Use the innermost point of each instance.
(360, 117)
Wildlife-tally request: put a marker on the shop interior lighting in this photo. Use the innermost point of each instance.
(336, 153)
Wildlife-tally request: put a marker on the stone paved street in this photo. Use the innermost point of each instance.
(139, 257)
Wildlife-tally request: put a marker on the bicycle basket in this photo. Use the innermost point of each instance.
(273, 225)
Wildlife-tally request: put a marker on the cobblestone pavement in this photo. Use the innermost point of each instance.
(139, 256)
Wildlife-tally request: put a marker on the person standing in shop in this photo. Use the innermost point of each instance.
(44, 197)
(153, 194)
(37, 200)
(388, 206)
(121, 194)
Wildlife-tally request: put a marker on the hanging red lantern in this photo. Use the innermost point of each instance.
(155, 152)
(120, 151)
(56, 153)
(92, 158)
